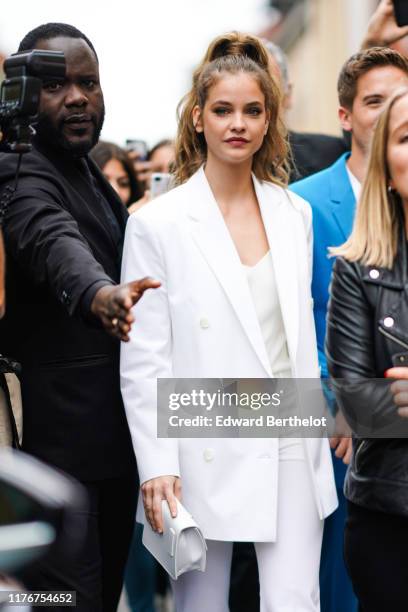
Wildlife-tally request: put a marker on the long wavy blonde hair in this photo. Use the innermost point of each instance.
(374, 239)
(232, 53)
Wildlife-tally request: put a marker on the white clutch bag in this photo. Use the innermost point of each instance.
(181, 547)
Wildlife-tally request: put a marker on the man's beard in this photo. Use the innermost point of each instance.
(50, 134)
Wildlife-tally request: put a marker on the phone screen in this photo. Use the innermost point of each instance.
(140, 146)
(401, 12)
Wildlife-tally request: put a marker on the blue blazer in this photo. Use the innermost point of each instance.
(331, 197)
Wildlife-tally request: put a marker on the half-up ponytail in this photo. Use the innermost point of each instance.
(236, 43)
(233, 53)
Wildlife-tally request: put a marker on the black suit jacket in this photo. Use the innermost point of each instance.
(60, 246)
(314, 152)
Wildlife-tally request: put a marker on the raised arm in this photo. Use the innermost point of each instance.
(47, 244)
(383, 29)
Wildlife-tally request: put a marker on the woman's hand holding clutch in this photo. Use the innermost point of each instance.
(154, 491)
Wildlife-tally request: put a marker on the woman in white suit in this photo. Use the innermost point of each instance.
(232, 250)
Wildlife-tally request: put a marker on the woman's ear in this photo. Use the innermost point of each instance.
(268, 118)
(197, 121)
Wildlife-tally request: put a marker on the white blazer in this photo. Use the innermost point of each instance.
(201, 323)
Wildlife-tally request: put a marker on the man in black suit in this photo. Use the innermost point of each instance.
(63, 234)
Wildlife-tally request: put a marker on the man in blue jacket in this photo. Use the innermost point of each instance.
(367, 80)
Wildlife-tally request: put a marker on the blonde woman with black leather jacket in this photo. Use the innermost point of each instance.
(367, 336)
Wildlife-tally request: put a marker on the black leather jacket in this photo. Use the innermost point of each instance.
(367, 333)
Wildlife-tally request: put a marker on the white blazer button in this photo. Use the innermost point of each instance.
(374, 274)
(388, 322)
(204, 323)
(209, 454)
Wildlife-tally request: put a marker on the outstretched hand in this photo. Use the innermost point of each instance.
(112, 305)
(383, 29)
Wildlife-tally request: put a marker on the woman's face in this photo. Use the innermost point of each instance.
(397, 148)
(234, 119)
(162, 158)
(116, 174)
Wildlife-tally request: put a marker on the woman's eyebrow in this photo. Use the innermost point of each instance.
(222, 102)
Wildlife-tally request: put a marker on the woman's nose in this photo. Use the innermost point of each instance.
(238, 122)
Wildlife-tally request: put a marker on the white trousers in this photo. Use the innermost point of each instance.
(288, 568)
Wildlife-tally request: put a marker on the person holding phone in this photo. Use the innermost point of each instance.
(388, 26)
(232, 249)
(366, 337)
(161, 155)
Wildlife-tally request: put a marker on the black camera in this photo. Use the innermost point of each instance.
(20, 95)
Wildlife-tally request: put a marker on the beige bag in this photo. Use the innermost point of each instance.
(10, 411)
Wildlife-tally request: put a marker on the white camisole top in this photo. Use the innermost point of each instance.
(262, 284)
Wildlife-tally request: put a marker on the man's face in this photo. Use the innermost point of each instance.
(374, 88)
(72, 111)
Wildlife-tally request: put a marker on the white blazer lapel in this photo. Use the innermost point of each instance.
(212, 237)
(277, 215)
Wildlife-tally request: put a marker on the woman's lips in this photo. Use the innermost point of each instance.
(237, 142)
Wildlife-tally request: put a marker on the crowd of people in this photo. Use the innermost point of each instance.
(272, 254)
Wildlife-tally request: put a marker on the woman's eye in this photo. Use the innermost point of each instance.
(254, 110)
(221, 111)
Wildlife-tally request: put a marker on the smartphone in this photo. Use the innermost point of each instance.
(139, 146)
(159, 183)
(401, 12)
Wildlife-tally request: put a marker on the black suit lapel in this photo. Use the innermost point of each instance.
(118, 209)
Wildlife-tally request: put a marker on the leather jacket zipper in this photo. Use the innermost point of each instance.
(391, 337)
